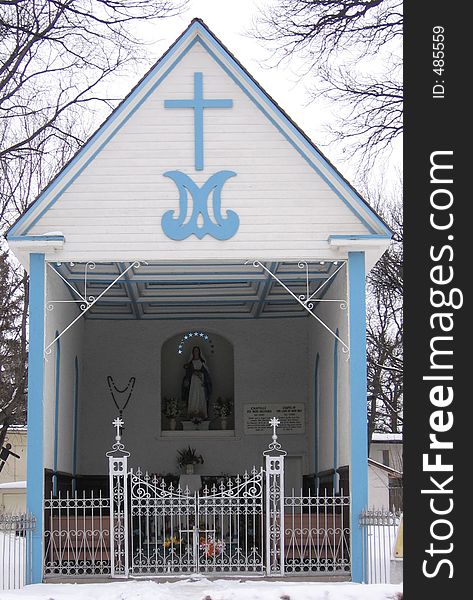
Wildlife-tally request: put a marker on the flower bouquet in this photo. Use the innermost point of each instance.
(211, 547)
(171, 407)
(223, 406)
(171, 542)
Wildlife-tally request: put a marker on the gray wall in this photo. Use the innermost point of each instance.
(271, 362)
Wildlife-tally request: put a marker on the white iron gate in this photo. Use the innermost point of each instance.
(216, 530)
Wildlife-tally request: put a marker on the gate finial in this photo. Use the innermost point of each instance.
(118, 424)
(274, 445)
(274, 424)
(118, 448)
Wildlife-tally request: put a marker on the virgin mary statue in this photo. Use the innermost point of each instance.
(196, 386)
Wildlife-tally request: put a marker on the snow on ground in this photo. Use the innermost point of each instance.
(203, 589)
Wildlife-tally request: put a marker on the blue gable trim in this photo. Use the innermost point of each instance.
(97, 135)
(261, 99)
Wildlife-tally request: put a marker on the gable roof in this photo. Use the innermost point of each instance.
(198, 31)
(378, 465)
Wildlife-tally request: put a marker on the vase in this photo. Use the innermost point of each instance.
(172, 423)
(190, 469)
(223, 422)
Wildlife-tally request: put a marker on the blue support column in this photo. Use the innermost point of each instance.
(35, 476)
(358, 410)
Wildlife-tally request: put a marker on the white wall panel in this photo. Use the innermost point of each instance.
(115, 205)
(270, 366)
(71, 346)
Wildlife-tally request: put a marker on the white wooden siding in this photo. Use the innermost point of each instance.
(113, 209)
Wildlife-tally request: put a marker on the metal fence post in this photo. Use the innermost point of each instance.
(118, 475)
(274, 504)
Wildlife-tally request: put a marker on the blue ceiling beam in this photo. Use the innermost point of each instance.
(130, 290)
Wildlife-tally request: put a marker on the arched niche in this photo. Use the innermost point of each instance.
(218, 355)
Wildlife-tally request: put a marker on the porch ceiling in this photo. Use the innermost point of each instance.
(197, 290)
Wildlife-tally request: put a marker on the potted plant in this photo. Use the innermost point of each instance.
(187, 458)
(171, 410)
(223, 408)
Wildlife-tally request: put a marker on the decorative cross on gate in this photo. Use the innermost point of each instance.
(274, 424)
(274, 445)
(198, 103)
(118, 424)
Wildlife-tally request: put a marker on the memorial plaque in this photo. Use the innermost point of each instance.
(291, 415)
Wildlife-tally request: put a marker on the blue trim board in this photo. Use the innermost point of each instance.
(264, 292)
(336, 476)
(358, 409)
(173, 56)
(356, 236)
(187, 317)
(56, 412)
(131, 291)
(74, 423)
(36, 238)
(35, 476)
(316, 413)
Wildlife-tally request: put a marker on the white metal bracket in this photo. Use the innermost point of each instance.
(308, 299)
(85, 301)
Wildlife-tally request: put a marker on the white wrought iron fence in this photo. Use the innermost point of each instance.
(380, 528)
(317, 533)
(15, 547)
(245, 525)
(77, 535)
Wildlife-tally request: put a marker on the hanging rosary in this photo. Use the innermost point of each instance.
(114, 389)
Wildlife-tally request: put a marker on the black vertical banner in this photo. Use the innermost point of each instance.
(438, 530)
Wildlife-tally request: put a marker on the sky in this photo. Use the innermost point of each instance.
(231, 21)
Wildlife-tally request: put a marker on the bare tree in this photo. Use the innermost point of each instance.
(352, 51)
(13, 300)
(56, 57)
(385, 331)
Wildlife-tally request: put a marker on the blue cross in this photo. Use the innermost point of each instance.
(198, 103)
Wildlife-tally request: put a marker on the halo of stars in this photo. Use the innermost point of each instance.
(199, 335)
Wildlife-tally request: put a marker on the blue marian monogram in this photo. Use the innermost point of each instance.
(200, 222)
(223, 229)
